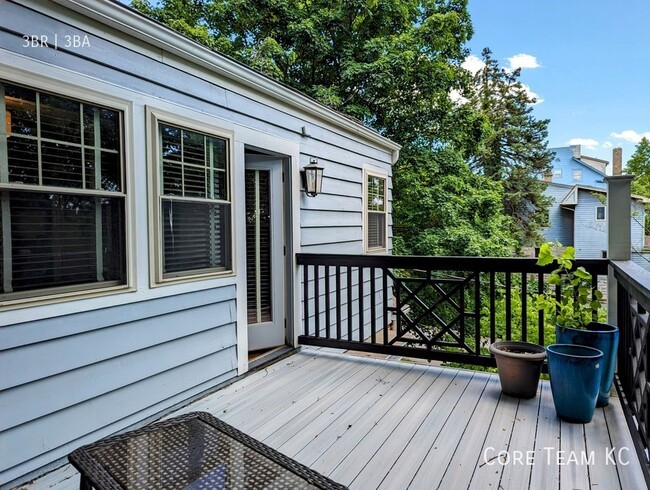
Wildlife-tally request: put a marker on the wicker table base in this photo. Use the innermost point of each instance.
(193, 451)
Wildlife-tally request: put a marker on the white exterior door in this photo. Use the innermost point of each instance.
(264, 252)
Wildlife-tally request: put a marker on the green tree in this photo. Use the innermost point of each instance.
(514, 150)
(639, 165)
(390, 64)
(443, 208)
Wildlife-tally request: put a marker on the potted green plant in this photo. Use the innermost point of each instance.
(574, 313)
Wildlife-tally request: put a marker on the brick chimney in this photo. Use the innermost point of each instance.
(617, 161)
(575, 150)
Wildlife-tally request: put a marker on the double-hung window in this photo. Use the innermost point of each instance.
(62, 195)
(376, 213)
(193, 208)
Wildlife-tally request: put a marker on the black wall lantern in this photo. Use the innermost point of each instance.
(312, 178)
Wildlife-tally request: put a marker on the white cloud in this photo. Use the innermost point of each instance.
(631, 136)
(523, 60)
(473, 64)
(588, 143)
(608, 144)
(456, 97)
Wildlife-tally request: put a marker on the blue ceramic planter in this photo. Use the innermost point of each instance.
(575, 372)
(600, 336)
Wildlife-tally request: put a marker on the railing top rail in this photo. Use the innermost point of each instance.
(483, 264)
(634, 277)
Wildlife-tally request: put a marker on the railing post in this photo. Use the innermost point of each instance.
(619, 233)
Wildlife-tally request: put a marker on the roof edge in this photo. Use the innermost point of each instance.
(132, 23)
(588, 166)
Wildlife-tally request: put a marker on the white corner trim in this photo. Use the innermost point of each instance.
(140, 27)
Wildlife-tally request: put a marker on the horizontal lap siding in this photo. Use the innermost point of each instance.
(590, 235)
(70, 380)
(560, 220)
(74, 389)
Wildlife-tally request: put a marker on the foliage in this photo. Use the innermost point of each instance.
(442, 208)
(639, 165)
(392, 65)
(575, 308)
(515, 150)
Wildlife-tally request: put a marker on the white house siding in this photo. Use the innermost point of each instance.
(75, 371)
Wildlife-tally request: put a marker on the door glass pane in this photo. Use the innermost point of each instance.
(258, 246)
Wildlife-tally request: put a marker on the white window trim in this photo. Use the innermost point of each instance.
(596, 213)
(573, 175)
(154, 116)
(50, 85)
(382, 175)
(557, 173)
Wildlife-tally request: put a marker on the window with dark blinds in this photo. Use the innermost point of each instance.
(195, 202)
(376, 213)
(62, 196)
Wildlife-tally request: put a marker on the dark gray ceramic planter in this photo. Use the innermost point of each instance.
(519, 365)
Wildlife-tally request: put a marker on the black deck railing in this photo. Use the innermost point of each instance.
(451, 308)
(438, 308)
(632, 376)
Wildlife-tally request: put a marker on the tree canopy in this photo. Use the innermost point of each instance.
(392, 64)
(515, 149)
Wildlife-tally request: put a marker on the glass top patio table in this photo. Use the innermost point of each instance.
(193, 451)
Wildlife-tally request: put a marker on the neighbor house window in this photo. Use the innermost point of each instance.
(193, 202)
(600, 213)
(376, 213)
(557, 173)
(577, 175)
(62, 194)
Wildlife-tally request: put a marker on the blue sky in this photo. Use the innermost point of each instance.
(593, 78)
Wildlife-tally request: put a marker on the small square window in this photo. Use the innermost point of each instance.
(557, 173)
(577, 175)
(600, 213)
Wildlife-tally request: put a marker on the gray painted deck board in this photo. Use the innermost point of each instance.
(390, 436)
(467, 455)
(488, 472)
(362, 430)
(409, 461)
(380, 423)
(311, 422)
(572, 442)
(439, 454)
(522, 440)
(542, 474)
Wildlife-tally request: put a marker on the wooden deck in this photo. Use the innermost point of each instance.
(377, 423)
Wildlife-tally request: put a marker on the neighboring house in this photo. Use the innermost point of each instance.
(151, 210)
(578, 215)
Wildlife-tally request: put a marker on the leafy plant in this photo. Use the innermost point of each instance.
(575, 308)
